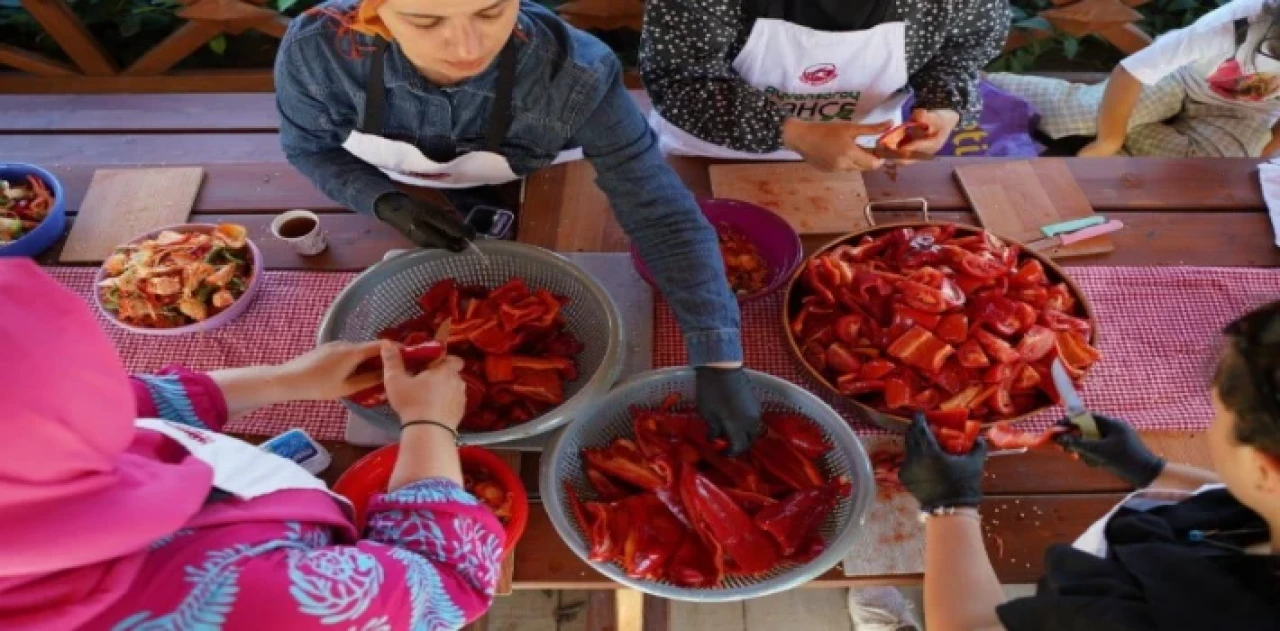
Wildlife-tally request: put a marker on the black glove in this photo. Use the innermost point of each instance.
(1119, 451)
(726, 402)
(936, 478)
(427, 226)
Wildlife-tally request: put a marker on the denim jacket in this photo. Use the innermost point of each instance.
(568, 93)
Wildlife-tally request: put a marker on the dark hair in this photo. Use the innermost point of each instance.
(1248, 377)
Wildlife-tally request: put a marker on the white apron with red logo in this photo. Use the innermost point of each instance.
(403, 162)
(239, 468)
(854, 76)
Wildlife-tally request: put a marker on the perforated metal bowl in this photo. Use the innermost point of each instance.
(609, 418)
(385, 295)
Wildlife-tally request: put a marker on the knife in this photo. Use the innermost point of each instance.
(1077, 236)
(1076, 412)
(885, 153)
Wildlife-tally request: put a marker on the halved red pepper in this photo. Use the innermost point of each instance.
(717, 518)
(513, 315)
(953, 328)
(776, 456)
(922, 349)
(551, 309)
(853, 385)
(791, 520)
(803, 434)
(499, 369)
(653, 538)
(623, 461)
(493, 339)
(750, 502)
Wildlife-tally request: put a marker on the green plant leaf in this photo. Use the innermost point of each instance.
(218, 44)
(1037, 23)
(1070, 47)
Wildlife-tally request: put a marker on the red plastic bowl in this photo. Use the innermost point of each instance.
(778, 242)
(371, 474)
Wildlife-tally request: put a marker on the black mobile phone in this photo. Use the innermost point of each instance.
(491, 222)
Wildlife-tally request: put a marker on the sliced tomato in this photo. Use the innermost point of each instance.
(1075, 351)
(952, 294)
(922, 297)
(1037, 343)
(1031, 274)
(1059, 321)
(997, 312)
(841, 361)
(1060, 298)
(952, 328)
(897, 394)
(970, 355)
(997, 349)
(982, 265)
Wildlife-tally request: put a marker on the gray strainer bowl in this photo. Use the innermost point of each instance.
(385, 294)
(608, 418)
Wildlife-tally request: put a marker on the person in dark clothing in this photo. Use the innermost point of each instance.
(792, 79)
(1190, 550)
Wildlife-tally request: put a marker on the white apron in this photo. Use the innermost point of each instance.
(239, 468)
(852, 76)
(403, 162)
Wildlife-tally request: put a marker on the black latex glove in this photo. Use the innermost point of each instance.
(936, 478)
(426, 225)
(1119, 451)
(726, 402)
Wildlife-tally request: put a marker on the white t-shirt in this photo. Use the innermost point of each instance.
(1209, 64)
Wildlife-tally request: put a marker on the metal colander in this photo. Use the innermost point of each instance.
(609, 418)
(386, 294)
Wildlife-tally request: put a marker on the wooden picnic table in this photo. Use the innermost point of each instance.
(1178, 212)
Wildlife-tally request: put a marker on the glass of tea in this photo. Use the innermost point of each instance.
(300, 229)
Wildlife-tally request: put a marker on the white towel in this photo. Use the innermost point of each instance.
(1269, 175)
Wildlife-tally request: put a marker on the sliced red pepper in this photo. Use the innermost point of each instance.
(953, 328)
(954, 418)
(499, 369)
(909, 315)
(802, 433)
(1027, 315)
(840, 360)
(927, 399)
(791, 520)
(1027, 379)
(970, 355)
(491, 338)
(1003, 436)
(1060, 298)
(997, 349)
(852, 385)
(694, 565)
(439, 295)
(622, 461)
(717, 518)
(964, 400)
(952, 294)
(775, 455)
(816, 284)
(873, 286)
(923, 297)
(544, 386)
(997, 312)
(1034, 296)
(750, 502)
(370, 397)
(423, 352)
(978, 265)
(551, 309)
(959, 442)
(953, 377)
(510, 292)
(1037, 343)
(513, 315)
(897, 394)
(815, 354)
(998, 400)
(1031, 274)
(1059, 321)
(920, 348)
(605, 489)
(847, 327)
(562, 365)
(928, 276)
(737, 471)
(1075, 350)
(875, 369)
(970, 284)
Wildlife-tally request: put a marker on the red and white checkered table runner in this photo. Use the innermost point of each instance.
(1159, 338)
(1159, 331)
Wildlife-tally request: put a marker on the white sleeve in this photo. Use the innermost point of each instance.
(1176, 49)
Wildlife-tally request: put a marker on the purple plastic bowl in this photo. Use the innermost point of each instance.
(232, 312)
(778, 242)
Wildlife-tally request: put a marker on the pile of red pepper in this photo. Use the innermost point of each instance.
(517, 350)
(669, 506)
(920, 319)
(481, 484)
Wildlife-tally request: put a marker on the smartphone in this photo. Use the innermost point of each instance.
(491, 222)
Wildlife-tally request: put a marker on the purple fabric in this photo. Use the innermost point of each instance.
(1003, 128)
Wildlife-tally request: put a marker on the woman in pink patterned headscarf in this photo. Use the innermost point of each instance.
(123, 508)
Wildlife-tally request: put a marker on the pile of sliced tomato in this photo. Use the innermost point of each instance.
(922, 319)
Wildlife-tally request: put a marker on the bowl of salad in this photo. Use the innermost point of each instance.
(180, 279)
(32, 212)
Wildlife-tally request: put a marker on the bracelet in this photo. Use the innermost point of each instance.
(951, 511)
(442, 426)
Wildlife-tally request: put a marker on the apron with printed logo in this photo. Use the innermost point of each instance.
(852, 76)
(239, 468)
(404, 162)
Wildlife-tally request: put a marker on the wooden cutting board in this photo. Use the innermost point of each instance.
(813, 202)
(1014, 199)
(124, 203)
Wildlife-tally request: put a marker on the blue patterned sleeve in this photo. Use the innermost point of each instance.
(181, 396)
(448, 536)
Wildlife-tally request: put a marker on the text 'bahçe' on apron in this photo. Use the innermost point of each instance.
(404, 162)
(849, 76)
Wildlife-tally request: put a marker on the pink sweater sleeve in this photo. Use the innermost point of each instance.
(182, 396)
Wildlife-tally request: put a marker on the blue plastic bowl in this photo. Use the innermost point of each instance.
(49, 230)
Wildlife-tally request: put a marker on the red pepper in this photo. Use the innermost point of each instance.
(811, 316)
(551, 309)
(1003, 436)
(997, 398)
(815, 354)
(923, 297)
(964, 400)
(800, 432)
(438, 296)
(853, 385)
(423, 352)
(510, 292)
(897, 394)
(737, 471)
(718, 519)
(1075, 350)
(875, 369)
(1037, 343)
(499, 369)
(775, 455)
(622, 461)
(543, 386)
(873, 286)
(997, 312)
(790, 521)
(694, 565)
(1027, 379)
(997, 349)
(1031, 274)
(958, 442)
(653, 538)
(953, 418)
(846, 328)
(970, 355)
(605, 488)
(513, 316)
(563, 365)
(370, 397)
(750, 502)
(1027, 315)
(1034, 296)
(921, 349)
(491, 338)
(981, 265)
(970, 284)
(1060, 298)
(840, 360)
(908, 316)
(1059, 321)
(1001, 372)
(816, 284)
(953, 328)
(953, 376)
(927, 399)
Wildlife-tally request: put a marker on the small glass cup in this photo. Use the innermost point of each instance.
(301, 230)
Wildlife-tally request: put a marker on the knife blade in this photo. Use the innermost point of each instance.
(1076, 412)
(885, 153)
